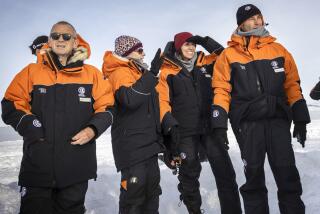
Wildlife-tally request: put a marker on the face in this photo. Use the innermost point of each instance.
(61, 45)
(252, 23)
(37, 51)
(137, 55)
(188, 50)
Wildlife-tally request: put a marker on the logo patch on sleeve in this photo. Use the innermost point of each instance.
(215, 113)
(36, 123)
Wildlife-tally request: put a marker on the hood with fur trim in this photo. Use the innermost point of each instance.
(81, 53)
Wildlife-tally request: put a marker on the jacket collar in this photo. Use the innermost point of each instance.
(52, 60)
(255, 42)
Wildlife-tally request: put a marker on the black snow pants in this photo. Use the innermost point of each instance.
(140, 188)
(68, 200)
(222, 169)
(271, 137)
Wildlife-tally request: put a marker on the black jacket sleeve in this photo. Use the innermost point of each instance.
(138, 93)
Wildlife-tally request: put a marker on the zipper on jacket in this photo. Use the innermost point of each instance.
(54, 182)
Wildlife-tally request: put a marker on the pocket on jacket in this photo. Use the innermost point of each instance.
(139, 137)
(38, 157)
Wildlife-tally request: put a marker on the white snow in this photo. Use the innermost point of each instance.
(103, 194)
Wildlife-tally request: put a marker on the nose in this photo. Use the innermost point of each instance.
(60, 39)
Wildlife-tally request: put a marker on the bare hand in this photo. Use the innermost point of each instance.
(175, 161)
(83, 137)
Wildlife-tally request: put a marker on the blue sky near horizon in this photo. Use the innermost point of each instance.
(294, 23)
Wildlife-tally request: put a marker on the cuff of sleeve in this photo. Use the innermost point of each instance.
(212, 46)
(219, 117)
(30, 127)
(101, 122)
(168, 121)
(300, 112)
(146, 83)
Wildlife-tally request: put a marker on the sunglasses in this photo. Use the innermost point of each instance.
(140, 50)
(65, 36)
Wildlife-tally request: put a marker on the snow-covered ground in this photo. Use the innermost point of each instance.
(102, 197)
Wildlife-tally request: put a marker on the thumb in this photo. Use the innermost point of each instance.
(76, 137)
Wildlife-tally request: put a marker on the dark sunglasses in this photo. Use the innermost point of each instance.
(140, 50)
(65, 36)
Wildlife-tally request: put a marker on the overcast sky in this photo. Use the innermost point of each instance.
(295, 23)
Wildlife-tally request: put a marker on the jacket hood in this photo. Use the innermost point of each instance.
(81, 53)
(255, 41)
(112, 62)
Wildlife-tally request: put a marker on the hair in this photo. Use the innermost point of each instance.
(64, 23)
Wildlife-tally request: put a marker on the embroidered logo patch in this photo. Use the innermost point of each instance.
(243, 67)
(203, 70)
(247, 8)
(133, 180)
(274, 64)
(36, 123)
(81, 91)
(277, 70)
(85, 99)
(215, 113)
(183, 155)
(42, 90)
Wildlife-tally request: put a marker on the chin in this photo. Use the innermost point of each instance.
(190, 56)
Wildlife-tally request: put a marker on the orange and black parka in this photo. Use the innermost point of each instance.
(136, 132)
(185, 96)
(53, 102)
(256, 78)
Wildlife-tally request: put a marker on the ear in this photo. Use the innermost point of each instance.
(263, 22)
(75, 43)
(240, 27)
(50, 42)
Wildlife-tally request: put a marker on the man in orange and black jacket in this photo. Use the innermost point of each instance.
(185, 102)
(59, 106)
(136, 133)
(256, 83)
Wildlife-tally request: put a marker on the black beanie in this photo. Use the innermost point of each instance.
(245, 12)
(38, 43)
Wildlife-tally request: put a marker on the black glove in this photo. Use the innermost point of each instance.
(220, 136)
(175, 139)
(300, 132)
(207, 43)
(198, 40)
(156, 63)
(169, 50)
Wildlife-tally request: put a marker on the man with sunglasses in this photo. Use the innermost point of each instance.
(136, 132)
(60, 106)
